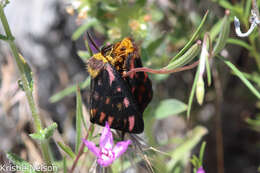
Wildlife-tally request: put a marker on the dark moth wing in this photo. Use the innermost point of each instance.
(140, 84)
(111, 100)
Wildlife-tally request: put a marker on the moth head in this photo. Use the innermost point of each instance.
(95, 64)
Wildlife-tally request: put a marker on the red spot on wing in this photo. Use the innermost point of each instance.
(107, 100)
(126, 102)
(110, 74)
(102, 117)
(110, 120)
(118, 89)
(131, 121)
(133, 89)
(145, 77)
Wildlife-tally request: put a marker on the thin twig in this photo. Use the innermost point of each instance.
(218, 121)
(80, 151)
(161, 71)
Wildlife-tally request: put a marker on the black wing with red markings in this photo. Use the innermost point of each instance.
(140, 84)
(111, 100)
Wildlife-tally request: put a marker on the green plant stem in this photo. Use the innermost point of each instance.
(46, 152)
(254, 51)
(81, 150)
(29, 94)
(218, 121)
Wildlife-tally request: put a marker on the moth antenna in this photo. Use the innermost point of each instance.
(92, 41)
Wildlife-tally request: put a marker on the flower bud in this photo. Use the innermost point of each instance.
(200, 90)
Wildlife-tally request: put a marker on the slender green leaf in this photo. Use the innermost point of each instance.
(241, 76)
(240, 43)
(209, 47)
(45, 133)
(247, 9)
(215, 29)
(208, 71)
(186, 58)
(223, 35)
(169, 107)
(27, 71)
(90, 136)
(227, 5)
(65, 165)
(194, 37)
(255, 77)
(20, 163)
(185, 148)
(50, 130)
(151, 48)
(144, 53)
(195, 162)
(89, 23)
(202, 150)
(84, 122)
(69, 90)
(84, 55)
(67, 150)
(78, 120)
(192, 93)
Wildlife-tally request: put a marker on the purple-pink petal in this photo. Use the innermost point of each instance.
(120, 148)
(200, 170)
(105, 163)
(92, 147)
(106, 154)
(106, 157)
(106, 139)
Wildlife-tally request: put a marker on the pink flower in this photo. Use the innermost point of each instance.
(107, 153)
(200, 170)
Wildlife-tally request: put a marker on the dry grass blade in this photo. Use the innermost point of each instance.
(139, 148)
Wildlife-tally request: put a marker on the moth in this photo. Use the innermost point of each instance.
(119, 100)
